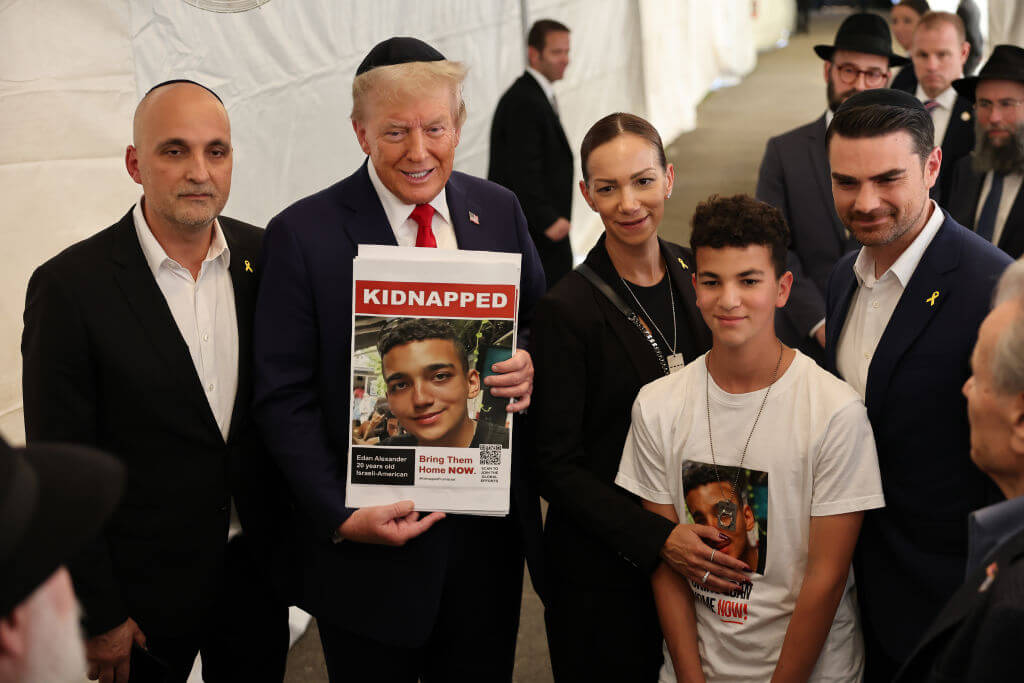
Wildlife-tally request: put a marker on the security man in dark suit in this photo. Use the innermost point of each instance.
(988, 192)
(530, 153)
(794, 178)
(397, 597)
(137, 341)
(903, 314)
(977, 636)
(939, 51)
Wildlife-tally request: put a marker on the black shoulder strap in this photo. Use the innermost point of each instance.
(602, 286)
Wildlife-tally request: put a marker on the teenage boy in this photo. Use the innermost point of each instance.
(429, 381)
(753, 409)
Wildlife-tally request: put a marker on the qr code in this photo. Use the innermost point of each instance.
(490, 454)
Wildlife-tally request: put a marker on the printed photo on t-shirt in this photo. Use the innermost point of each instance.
(740, 513)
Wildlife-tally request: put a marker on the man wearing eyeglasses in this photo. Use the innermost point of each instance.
(986, 187)
(794, 177)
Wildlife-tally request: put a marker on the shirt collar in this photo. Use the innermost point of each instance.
(946, 98)
(990, 527)
(155, 254)
(828, 117)
(398, 211)
(904, 267)
(545, 84)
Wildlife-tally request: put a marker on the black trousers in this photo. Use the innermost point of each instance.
(474, 635)
(598, 634)
(245, 638)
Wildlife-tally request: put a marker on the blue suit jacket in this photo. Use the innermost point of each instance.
(911, 554)
(302, 340)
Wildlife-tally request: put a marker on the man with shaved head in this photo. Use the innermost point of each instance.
(137, 342)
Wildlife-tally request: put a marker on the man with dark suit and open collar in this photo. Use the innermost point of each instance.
(987, 189)
(137, 341)
(939, 52)
(903, 315)
(794, 178)
(530, 154)
(397, 597)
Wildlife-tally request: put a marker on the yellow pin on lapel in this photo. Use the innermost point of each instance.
(248, 266)
(965, 116)
(683, 264)
(932, 298)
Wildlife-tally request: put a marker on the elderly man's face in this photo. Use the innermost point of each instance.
(411, 142)
(992, 414)
(181, 157)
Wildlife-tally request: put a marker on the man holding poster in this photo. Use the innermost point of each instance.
(397, 597)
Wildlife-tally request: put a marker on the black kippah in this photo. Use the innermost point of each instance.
(184, 80)
(398, 50)
(886, 96)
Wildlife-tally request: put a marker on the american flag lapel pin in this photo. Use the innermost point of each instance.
(473, 218)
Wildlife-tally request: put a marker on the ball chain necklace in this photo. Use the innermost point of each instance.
(675, 360)
(725, 509)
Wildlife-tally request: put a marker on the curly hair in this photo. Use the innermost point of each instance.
(740, 221)
(406, 330)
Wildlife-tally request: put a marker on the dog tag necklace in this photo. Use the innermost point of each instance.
(725, 509)
(675, 360)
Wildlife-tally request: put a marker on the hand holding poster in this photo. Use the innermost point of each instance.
(428, 326)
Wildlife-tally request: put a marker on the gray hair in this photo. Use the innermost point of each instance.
(1008, 354)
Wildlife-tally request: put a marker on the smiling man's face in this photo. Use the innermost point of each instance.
(427, 389)
(411, 142)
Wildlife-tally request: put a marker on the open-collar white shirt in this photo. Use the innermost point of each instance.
(399, 215)
(545, 84)
(204, 311)
(875, 300)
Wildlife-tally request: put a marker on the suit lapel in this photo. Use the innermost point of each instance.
(924, 296)
(242, 269)
(819, 162)
(528, 77)
(1012, 239)
(974, 191)
(468, 234)
(367, 224)
(144, 297)
(846, 285)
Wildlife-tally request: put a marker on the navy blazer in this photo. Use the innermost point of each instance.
(795, 178)
(963, 207)
(302, 342)
(977, 635)
(911, 554)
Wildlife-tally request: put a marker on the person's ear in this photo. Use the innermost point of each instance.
(932, 166)
(131, 162)
(670, 179)
(586, 195)
(785, 287)
(827, 69)
(532, 56)
(1016, 409)
(748, 516)
(13, 645)
(473, 379)
(361, 136)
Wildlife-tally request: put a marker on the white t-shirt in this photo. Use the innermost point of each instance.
(812, 454)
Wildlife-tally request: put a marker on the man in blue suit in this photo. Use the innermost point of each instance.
(903, 314)
(397, 597)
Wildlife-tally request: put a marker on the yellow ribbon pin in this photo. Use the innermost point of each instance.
(932, 298)
(683, 264)
(248, 267)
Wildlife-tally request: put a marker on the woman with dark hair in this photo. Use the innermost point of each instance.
(626, 317)
(903, 18)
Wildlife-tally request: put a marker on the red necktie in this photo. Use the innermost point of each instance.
(930, 105)
(423, 214)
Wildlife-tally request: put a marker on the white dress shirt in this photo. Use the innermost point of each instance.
(545, 85)
(399, 216)
(204, 310)
(1011, 186)
(874, 301)
(941, 113)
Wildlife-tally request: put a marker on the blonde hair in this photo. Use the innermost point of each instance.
(401, 81)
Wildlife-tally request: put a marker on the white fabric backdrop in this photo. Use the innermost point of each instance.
(72, 73)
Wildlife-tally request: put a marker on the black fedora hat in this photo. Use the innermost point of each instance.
(1005, 64)
(866, 33)
(53, 499)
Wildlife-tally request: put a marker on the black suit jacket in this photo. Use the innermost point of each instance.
(105, 365)
(911, 554)
(905, 79)
(531, 156)
(977, 636)
(957, 143)
(963, 207)
(795, 178)
(302, 345)
(591, 362)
